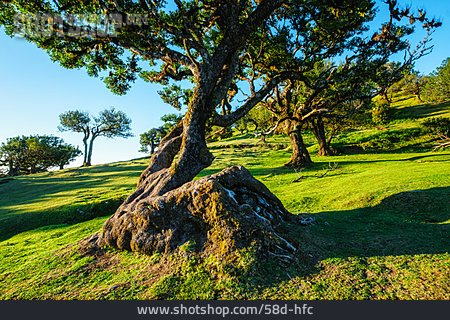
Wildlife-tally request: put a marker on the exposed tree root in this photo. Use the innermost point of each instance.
(218, 214)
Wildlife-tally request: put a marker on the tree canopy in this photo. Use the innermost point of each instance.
(32, 154)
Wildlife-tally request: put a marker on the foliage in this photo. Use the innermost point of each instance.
(32, 154)
(76, 121)
(149, 140)
(380, 112)
(437, 86)
(170, 121)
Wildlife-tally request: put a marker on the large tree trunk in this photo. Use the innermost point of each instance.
(300, 157)
(318, 128)
(219, 213)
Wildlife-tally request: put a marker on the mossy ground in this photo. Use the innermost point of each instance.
(380, 232)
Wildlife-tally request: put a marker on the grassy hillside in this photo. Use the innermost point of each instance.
(381, 230)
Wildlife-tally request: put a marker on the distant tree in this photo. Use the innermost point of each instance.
(150, 140)
(80, 122)
(437, 86)
(32, 154)
(262, 119)
(110, 123)
(65, 154)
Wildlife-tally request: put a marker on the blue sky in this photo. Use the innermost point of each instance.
(34, 91)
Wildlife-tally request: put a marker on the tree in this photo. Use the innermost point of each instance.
(437, 85)
(32, 154)
(110, 123)
(215, 45)
(65, 154)
(258, 120)
(413, 83)
(151, 138)
(77, 121)
(331, 93)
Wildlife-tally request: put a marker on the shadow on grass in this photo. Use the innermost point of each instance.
(324, 164)
(408, 223)
(82, 183)
(13, 224)
(421, 111)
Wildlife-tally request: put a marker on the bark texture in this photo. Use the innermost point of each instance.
(220, 213)
(318, 128)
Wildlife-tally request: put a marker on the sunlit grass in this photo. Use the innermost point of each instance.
(380, 232)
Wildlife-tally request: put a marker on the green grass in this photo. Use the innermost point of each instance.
(381, 228)
(66, 196)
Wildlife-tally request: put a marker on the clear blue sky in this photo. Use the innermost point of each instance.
(34, 91)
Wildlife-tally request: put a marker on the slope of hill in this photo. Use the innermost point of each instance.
(380, 230)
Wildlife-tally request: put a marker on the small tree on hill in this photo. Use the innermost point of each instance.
(150, 139)
(110, 123)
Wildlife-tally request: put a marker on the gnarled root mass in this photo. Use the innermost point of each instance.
(218, 214)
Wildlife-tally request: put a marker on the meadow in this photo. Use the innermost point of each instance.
(381, 225)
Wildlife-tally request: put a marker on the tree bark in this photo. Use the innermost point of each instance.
(152, 147)
(300, 157)
(318, 128)
(167, 208)
(85, 154)
(386, 96)
(219, 214)
(88, 162)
